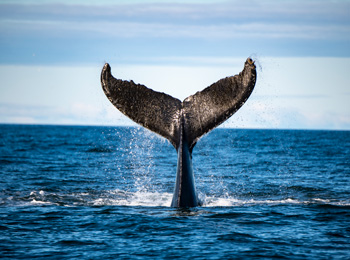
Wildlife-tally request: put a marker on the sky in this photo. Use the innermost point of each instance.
(52, 53)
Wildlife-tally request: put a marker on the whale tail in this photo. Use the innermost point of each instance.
(168, 116)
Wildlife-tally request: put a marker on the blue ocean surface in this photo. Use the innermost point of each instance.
(85, 192)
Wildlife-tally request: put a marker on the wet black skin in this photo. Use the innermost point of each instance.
(185, 194)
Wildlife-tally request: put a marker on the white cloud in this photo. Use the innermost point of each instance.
(215, 31)
(228, 19)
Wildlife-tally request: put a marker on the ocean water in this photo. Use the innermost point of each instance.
(76, 192)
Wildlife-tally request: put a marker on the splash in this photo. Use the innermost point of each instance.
(152, 199)
(139, 198)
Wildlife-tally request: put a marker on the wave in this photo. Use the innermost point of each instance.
(149, 199)
(231, 202)
(99, 150)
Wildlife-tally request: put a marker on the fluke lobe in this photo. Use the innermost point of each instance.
(182, 123)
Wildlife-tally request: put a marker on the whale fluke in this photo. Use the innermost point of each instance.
(156, 111)
(162, 113)
(182, 123)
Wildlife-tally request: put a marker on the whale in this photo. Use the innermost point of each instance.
(182, 123)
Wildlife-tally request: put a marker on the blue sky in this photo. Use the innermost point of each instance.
(52, 52)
